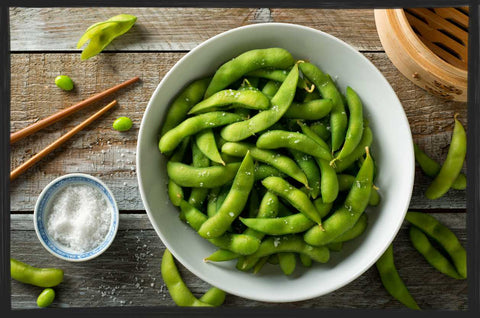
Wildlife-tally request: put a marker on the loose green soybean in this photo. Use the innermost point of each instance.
(41, 277)
(453, 163)
(46, 298)
(122, 124)
(446, 238)
(64, 82)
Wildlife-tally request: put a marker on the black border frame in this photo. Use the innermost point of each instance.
(473, 156)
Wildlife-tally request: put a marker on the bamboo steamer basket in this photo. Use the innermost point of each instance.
(429, 46)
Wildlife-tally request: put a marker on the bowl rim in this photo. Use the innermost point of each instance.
(109, 238)
(194, 270)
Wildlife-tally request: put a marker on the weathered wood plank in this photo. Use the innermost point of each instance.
(166, 29)
(128, 274)
(110, 155)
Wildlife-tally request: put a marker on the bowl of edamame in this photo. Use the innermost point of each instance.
(275, 162)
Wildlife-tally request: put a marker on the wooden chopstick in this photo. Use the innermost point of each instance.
(67, 111)
(30, 162)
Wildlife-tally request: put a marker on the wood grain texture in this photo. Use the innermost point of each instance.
(128, 274)
(177, 29)
(110, 155)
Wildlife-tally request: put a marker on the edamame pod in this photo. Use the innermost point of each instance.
(248, 62)
(328, 181)
(262, 171)
(199, 160)
(274, 139)
(234, 203)
(271, 88)
(366, 141)
(193, 125)
(276, 75)
(265, 119)
(355, 231)
(205, 140)
(41, 277)
(251, 99)
(446, 238)
(310, 168)
(392, 281)
(177, 112)
(221, 256)
(345, 217)
(295, 223)
(453, 163)
(338, 117)
(214, 296)
(311, 110)
(209, 177)
(287, 262)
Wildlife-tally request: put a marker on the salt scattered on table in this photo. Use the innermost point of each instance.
(79, 217)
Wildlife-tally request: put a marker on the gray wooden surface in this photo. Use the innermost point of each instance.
(43, 44)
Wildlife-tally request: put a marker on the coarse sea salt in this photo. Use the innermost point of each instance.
(79, 217)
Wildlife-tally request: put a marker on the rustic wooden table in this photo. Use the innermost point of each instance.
(43, 45)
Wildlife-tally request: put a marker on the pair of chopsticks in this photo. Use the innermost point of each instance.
(56, 117)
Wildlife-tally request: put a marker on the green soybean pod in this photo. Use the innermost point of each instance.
(276, 75)
(446, 238)
(328, 181)
(199, 160)
(282, 163)
(355, 231)
(271, 88)
(312, 135)
(214, 296)
(392, 281)
(355, 124)
(345, 182)
(209, 177)
(177, 289)
(345, 217)
(248, 62)
(312, 96)
(193, 125)
(274, 139)
(245, 98)
(305, 260)
(175, 192)
(335, 246)
(212, 201)
(453, 163)
(338, 117)
(291, 224)
(432, 256)
(320, 129)
(294, 196)
(323, 208)
(190, 96)
(431, 168)
(46, 298)
(41, 277)
(205, 140)
(262, 171)
(265, 119)
(287, 262)
(311, 110)
(221, 256)
(310, 168)
(366, 141)
(234, 203)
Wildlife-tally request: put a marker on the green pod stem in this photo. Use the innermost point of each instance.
(177, 112)
(274, 139)
(359, 151)
(246, 98)
(288, 243)
(294, 196)
(287, 262)
(237, 243)
(265, 119)
(214, 296)
(271, 88)
(311, 110)
(41, 277)
(446, 238)
(205, 140)
(199, 160)
(177, 288)
(234, 203)
(355, 124)
(262, 171)
(221, 256)
(276, 75)
(278, 161)
(432, 256)
(391, 280)
(328, 90)
(345, 217)
(310, 168)
(193, 125)
(209, 177)
(431, 168)
(291, 224)
(453, 163)
(355, 231)
(248, 62)
(328, 181)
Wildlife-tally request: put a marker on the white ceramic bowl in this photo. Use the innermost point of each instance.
(44, 204)
(392, 149)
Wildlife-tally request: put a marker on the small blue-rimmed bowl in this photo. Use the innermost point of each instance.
(43, 206)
